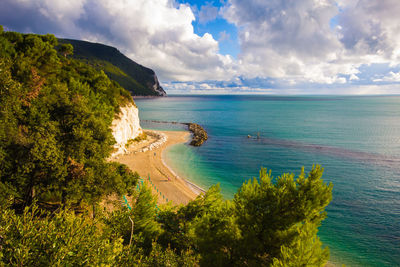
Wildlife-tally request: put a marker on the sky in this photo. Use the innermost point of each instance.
(235, 46)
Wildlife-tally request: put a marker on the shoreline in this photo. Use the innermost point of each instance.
(180, 190)
(194, 187)
(164, 181)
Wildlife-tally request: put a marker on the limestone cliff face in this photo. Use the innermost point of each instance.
(157, 87)
(125, 127)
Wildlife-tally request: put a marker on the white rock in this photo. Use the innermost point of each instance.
(125, 127)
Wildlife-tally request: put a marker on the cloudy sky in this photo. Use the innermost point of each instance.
(236, 46)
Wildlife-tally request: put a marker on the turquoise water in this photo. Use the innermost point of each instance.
(356, 140)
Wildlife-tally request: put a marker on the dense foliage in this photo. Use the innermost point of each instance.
(55, 122)
(266, 224)
(55, 114)
(136, 78)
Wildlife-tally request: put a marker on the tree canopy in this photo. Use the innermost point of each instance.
(269, 222)
(55, 122)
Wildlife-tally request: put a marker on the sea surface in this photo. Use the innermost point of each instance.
(355, 139)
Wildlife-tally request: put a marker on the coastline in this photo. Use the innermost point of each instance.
(178, 190)
(194, 187)
(151, 163)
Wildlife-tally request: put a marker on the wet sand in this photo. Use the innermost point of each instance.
(162, 177)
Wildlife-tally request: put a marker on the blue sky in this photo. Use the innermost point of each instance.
(218, 27)
(236, 46)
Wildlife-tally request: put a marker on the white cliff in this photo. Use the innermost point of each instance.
(125, 127)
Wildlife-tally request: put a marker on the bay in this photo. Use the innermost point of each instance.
(355, 138)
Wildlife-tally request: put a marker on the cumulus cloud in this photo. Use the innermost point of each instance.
(295, 38)
(156, 33)
(371, 28)
(391, 77)
(283, 38)
(267, 86)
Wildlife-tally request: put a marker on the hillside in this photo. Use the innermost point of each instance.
(137, 79)
(55, 120)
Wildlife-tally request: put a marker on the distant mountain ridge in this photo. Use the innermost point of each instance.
(137, 79)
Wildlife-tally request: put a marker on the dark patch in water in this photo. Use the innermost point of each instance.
(364, 157)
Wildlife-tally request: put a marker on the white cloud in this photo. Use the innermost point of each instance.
(391, 77)
(370, 29)
(354, 77)
(294, 39)
(286, 38)
(156, 33)
(215, 87)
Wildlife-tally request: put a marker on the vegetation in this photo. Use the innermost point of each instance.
(137, 79)
(55, 125)
(55, 137)
(266, 224)
(140, 137)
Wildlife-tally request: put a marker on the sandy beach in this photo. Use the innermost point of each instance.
(151, 162)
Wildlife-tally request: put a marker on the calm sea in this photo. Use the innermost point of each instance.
(355, 139)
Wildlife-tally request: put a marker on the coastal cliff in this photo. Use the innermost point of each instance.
(137, 79)
(125, 127)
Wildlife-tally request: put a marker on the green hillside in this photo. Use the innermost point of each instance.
(137, 79)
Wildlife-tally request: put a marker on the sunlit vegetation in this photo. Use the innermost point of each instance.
(136, 78)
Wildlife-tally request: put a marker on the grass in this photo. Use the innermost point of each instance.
(140, 137)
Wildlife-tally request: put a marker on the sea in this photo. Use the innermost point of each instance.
(356, 139)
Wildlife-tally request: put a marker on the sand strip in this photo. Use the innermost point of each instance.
(162, 177)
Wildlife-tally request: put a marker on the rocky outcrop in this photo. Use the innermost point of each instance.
(157, 87)
(199, 134)
(125, 127)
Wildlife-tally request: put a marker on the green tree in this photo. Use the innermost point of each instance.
(55, 125)
(178, 224)
(273, 215)
(169, 258)
(141, 218)
(216, 233)
(37, 238)
(305, 250)
(144, 216)
(66, 49)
